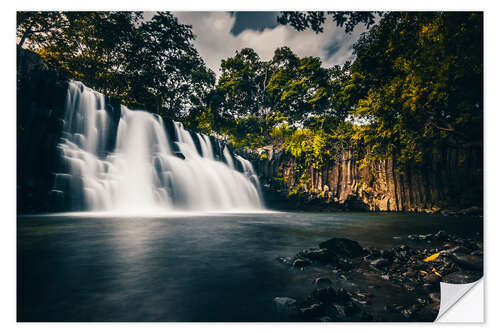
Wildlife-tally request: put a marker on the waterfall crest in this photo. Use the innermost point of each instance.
(136, 163)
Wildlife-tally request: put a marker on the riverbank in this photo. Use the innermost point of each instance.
(401, 283)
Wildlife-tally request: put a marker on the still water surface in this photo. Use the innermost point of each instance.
(185, 268)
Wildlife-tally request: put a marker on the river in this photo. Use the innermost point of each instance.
(190, 267)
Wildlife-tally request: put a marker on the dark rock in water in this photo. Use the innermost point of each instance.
(456, 249)
(322, 256)
(462, 277)
(285, 305)
(322, 282)
(441, 235)
(310, 311)
(343, 247)
(330, 295)
(300, 263)
(435, 297)
(431, 278)
(380, 263)
(467, 261)
(430, 287)
(474, 210)
(285, 260)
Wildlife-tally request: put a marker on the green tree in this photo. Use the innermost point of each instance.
(147, 64)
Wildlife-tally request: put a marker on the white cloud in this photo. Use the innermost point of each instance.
(215, 42)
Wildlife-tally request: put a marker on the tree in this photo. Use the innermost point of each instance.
(315, 20)
(147, 64)
(425, 77)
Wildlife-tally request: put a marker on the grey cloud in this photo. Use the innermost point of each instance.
(215, 41)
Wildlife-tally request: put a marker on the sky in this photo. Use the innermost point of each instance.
(220, 34)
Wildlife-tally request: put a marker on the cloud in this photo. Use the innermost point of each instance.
(214, 40)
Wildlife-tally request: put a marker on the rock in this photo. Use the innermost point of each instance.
(431, 278)
(310, 311)
(285, 260)
(429, 287)
(322, 282)
(285, 304)
(300, 263)
(441, 235)
(322, 256)
(331, 295)
(462, 277)
(474, 210)
(469, 262)
(343, 247)
(410, 273)
(435, 297)
(456, 249)
(380, 263)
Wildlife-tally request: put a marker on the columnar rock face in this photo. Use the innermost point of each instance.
(451, 179)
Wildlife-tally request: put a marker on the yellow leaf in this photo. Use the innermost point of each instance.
(431, 258)
(423, 272)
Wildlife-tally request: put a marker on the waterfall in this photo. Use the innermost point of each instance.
(132, 164)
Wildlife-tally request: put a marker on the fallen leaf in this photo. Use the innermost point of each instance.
(431, 258)
(423, 272)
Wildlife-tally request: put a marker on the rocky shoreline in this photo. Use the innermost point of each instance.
(352, 283)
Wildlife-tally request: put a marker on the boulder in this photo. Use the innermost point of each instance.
(379, 263)
(462, 277)
(300, 263)
(343, 247)
(322, 282)
(285, 304)
(469, 262)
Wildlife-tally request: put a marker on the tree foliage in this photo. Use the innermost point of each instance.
(149, 64)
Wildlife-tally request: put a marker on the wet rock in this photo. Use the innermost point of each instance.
(300, 263)
(322, 256)
(380, 263)
(441, 235)
(343, 247)
(435, 297)
(474, 210)
(431, 278)
(410, 273)
(331, 295)
(429, 287)
(462, 277)
(456, 249)
(467, 261)
(285, 260)
(285, 305)
(310, 311)
(322, 282)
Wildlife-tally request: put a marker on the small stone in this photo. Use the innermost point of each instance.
(285, 304)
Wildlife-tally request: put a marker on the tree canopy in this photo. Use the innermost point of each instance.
(416, 82)
(148, 64)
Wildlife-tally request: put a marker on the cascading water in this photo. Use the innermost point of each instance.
(131, 165)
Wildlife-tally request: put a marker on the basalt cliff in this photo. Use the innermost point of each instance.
(449, 181)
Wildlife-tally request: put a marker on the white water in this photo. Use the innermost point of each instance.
(142, 174)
